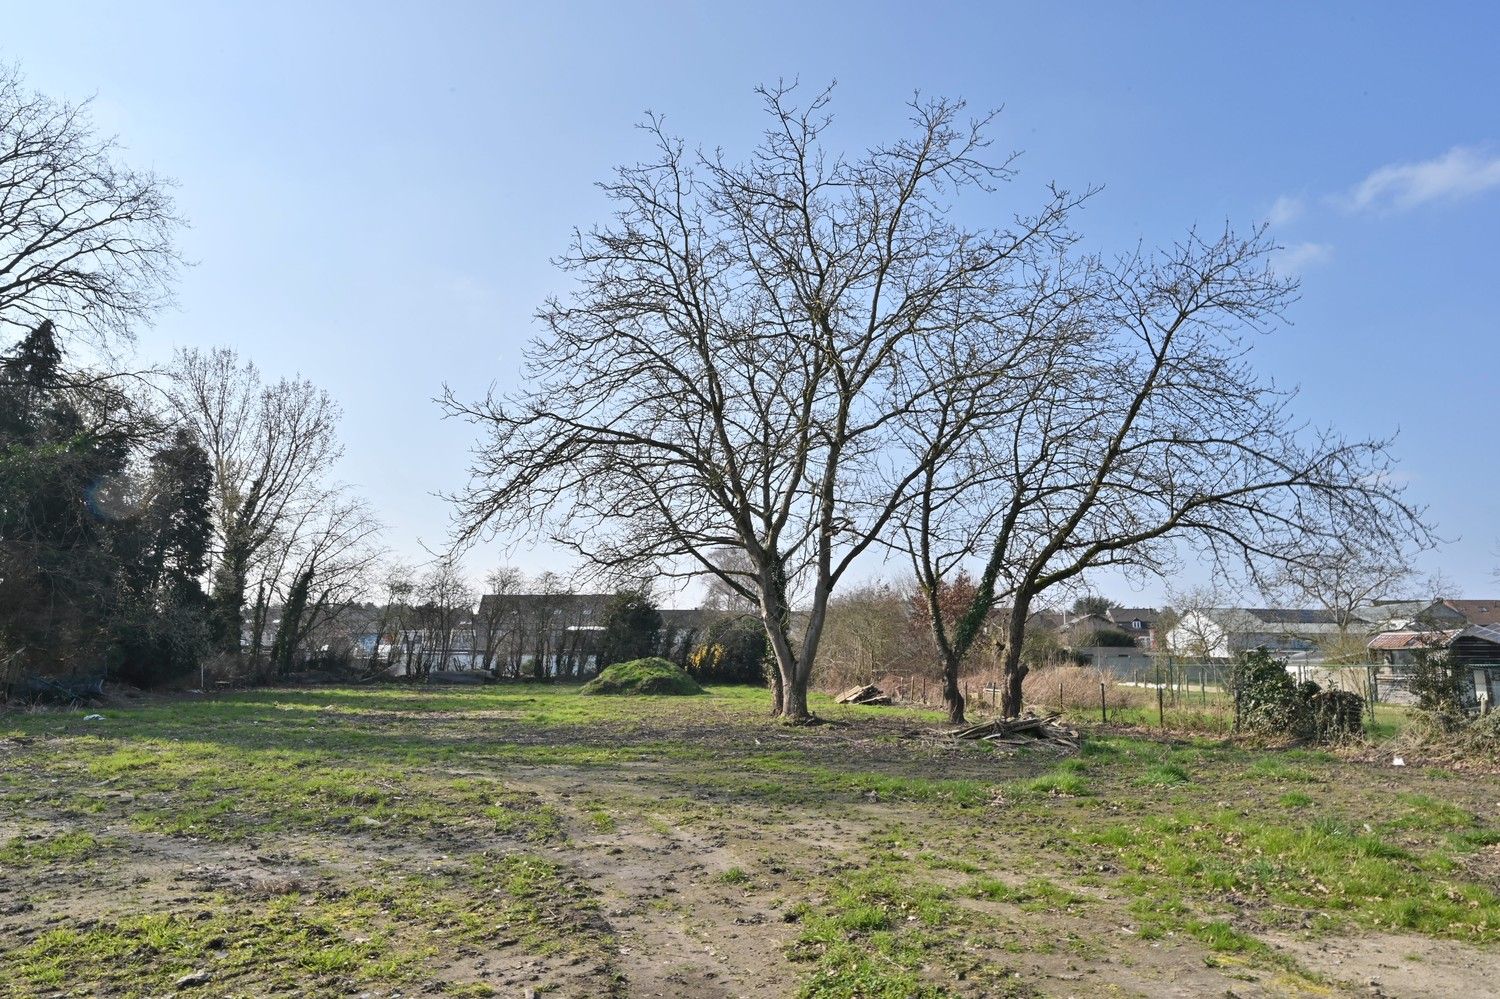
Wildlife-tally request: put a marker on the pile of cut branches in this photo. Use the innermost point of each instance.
(1023, 733)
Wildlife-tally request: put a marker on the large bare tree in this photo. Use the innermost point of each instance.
(271, 447)
(85, 241)
(747, 350)
(1148, 435)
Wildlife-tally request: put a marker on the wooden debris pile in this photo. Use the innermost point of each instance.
(868, 694)
(1023, 733)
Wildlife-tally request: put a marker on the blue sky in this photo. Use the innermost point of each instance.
(375, 189)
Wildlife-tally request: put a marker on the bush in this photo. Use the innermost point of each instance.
(642, 676)
(1107, 638)
(1336, 714)
(632, 627)
(731, 651)
(1267, 700)
(1436, 683)
(1455, 732)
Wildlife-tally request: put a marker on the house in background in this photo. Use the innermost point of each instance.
(540, 634)
(1225, 632)
(1484, 613)
(1402, 648)
(1137, 621)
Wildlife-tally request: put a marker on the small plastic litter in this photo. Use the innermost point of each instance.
(1398, 762)
(93, 717)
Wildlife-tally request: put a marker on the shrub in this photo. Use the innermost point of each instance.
(1268, 701)
(1455, 732)
(731, 651)
(1336, 714)
(1436, 683)
(1109, 638)
(1266, 698)
(642, 676)
(632, 627)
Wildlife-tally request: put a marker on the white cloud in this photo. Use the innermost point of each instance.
(1285, 210)
(1297, 258)
(1461, 172)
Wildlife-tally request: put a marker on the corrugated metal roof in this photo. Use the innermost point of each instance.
(1484, 632)
(1399, 641)
(1290, 615)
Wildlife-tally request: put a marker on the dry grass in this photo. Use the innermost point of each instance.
(1076, 688)
(1070, 688)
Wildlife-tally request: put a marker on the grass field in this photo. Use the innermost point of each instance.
(508, 840)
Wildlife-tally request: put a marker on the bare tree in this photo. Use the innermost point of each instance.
(396, 588)
(870, 633)
(84, 240)
(497, 618)
(719, 595)
(335, 544)
(1148, 435)
(447, 606)
(744, 359)
(1342, 582)
(271, 447)
(1193, 632)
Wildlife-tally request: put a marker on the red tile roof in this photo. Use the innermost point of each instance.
(1485, 612)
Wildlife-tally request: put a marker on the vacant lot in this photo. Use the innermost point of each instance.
(506, 840)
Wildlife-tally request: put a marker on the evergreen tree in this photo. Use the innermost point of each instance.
(632, 628)
(101, 554)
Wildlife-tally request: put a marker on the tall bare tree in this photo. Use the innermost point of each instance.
(744, 358)
(1150, 435)
(1342, 582)
(396, 588)
(271, 447)
(447, 607)
(497, 618)
(332, 541)
(85, 241)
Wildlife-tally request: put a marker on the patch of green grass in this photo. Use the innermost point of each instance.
(1276, 767)
(1035, 895)
(1223, 938)
(68, 847)
(1163, 775)
(1323, 866)
(734, 876)
(1058, 783)
(289, 942)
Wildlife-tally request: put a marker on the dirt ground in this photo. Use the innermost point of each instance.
(513, 842)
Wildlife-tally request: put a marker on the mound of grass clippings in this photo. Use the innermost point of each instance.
(642, 676)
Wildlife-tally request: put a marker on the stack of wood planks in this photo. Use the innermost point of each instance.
(868, 694)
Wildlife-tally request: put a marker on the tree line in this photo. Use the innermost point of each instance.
(145, 515)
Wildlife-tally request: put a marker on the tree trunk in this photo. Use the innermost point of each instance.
(778, 693)
(794, 695)
(1012, 669)
(953, 697)
(229, 598)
